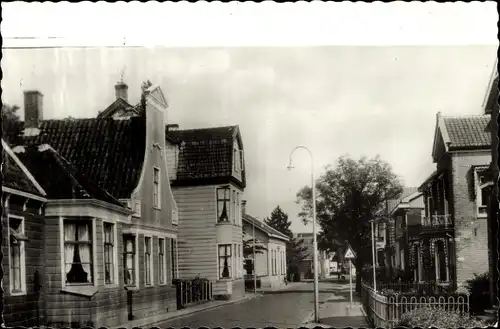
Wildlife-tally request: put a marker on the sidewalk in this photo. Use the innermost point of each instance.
(289, 286)
(151, 321)
(337, 312)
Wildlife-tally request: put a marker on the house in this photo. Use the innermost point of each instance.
(306, 269)
(270, 264)
(406, 214)
(207, 175)
(453, 237)
(490, 107)
(110, 219)
(23, 201)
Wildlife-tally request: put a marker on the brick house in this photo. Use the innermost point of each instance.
(270, 265)
(453, 238)
(110, 223)
(490, 107)
(207, 174)
(23, 202)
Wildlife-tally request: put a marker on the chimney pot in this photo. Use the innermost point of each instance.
(33, 108)
(243, 207)
(121, 91)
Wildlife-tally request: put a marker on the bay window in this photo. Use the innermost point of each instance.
(78, 265)
(147, 261)
(225, 261)
(129, 260)
(223, 199)
(109, 253)
(162, 269)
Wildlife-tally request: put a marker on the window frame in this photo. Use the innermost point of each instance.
(229, 261)
(156, 188)
(227, 200)
(148, 256)
(162, 255)
(115, 276)
(22, 258)
(93, 231)
(135, 259)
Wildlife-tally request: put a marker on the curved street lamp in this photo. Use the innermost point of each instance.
(315, 242)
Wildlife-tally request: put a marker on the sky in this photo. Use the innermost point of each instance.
(340, 95)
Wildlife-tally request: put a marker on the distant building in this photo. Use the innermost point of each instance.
(270, 265)
(306, 270)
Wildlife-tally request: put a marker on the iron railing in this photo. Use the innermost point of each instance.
(437, 221)
(386, 310)
(428, 288)
(193, 292)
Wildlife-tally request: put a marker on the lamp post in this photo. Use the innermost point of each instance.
(315, 242)
(373, 256)
(254, 260)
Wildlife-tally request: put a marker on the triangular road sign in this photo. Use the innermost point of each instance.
(349, 254)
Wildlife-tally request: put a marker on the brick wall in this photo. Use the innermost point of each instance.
(22, 310)
(471, 232)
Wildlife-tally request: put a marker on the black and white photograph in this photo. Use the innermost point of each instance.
(243, 164)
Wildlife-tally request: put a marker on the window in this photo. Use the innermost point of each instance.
(273, 264)
(238, 211)
(147, 261)
(233, 208)
(162, 270)
(241, 161)
(109, 255)
(484, 197)
(78, 252)
(225, 261)
(129, 260)
(17, 255)
(173, 255)
(235, 161)
(156, 188)
(223, 204)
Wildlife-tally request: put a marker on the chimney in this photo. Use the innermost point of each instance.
(33, 108)
(121, 91)
(243, 207)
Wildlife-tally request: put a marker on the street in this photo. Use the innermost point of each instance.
(285, 309)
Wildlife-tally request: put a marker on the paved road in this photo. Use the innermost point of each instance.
(287, 309)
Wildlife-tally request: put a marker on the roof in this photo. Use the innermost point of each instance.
(264, 227)
(468, 132)
(408, 195)
(59, 178)
(15, 177)
(205, 153)
(106, 151)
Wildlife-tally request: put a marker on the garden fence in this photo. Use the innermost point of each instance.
(386, 310)
(193, 291)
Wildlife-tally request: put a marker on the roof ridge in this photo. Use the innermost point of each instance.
(460, 116)
(206, 128)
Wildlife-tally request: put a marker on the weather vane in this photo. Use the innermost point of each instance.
(122, 74)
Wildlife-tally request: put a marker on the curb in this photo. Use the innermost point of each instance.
(190, 312)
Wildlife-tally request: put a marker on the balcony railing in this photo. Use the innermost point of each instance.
(437, 221)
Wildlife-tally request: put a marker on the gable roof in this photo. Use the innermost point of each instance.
(205, 153)
(59, 178)
(16, 176)
(117, 105)
(466, 132)
(264, 227)
(106, 151)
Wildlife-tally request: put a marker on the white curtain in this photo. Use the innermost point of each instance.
(69, 249)
(83, 235)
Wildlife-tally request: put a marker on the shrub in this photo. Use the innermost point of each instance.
(479, 290)
(427, 317)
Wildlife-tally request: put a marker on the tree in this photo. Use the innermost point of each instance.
(248, 247)
(348, 196)
(295, 250)
(279, 221)
(9, 115)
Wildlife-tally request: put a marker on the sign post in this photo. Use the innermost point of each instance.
(350, 255)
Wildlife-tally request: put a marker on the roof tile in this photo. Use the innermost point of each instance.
(15, 178)
(468, 131)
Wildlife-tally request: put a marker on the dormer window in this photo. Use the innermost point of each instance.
(237, 158)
